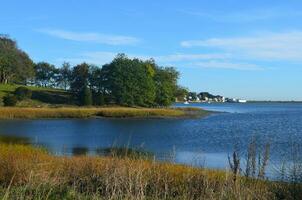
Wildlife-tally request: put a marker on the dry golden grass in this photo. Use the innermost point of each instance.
(77, 112)
(28, 173)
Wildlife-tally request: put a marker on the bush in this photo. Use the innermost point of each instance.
(10, 100)
(23, 93)
(86, 97)
(99, 99)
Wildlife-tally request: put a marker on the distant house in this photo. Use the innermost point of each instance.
(207, 97)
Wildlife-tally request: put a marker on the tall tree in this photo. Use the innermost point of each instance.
(129, 81)
(166, 85)
(46, 74)
(96, 79)
(64, 76)
(80, 77)
(15, 64)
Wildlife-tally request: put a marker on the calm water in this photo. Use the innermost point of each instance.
(205, 141)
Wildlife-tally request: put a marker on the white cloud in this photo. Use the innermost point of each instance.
(92, 37)
(228, 65)
(270, 46)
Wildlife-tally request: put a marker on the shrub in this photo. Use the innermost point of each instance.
(23, 93)
(86, 97)
(10, 100)
(99, 99)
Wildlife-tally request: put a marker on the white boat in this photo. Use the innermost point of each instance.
(242, 101)
(186, 102)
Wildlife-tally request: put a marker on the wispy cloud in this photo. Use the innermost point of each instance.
(245, 15)
(179, 57)
(228, 65)
(98, 58)
(102, 57)
(92, 37)
(268, 46)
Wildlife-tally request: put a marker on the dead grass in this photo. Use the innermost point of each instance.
(29, 173)
(76, 112)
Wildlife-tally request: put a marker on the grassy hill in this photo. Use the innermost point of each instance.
(41, 97)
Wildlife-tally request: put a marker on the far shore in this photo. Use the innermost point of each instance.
(94, 112)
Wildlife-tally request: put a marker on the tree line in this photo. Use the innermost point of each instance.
(123, 81)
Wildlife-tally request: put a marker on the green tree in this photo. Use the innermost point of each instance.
(79, 77)
(86, 97)
(129, 81)
(96, 79)
(15, 64)
(64, 76)
(46, 74)
(166, 85)
(181, 93)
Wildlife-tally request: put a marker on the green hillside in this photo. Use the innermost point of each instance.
(41, 96)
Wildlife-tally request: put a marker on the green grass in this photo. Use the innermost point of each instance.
(42, 97)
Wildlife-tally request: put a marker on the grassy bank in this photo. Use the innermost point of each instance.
(77, 112)
(29, 173)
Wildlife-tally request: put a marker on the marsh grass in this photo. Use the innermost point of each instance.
(29, 173)
(77, 112)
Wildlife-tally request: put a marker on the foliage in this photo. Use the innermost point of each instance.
(129, 81)
(10, 100)
(45, 74)
(99, 99)
(86, 97)
(166, 85)
(181, 93)
(23, 93)
(64, 76)
(15, 64)
(79, 77)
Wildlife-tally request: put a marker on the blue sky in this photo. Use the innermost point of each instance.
(235, 48)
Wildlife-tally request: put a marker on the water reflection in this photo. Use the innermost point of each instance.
(10, 139)
(134, 153)
(120, 152)
(79, 151)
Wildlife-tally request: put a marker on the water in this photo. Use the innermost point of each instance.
(206, 141)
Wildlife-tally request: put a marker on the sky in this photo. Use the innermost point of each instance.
(235, 48)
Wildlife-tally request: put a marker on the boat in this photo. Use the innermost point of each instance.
(186, 102)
